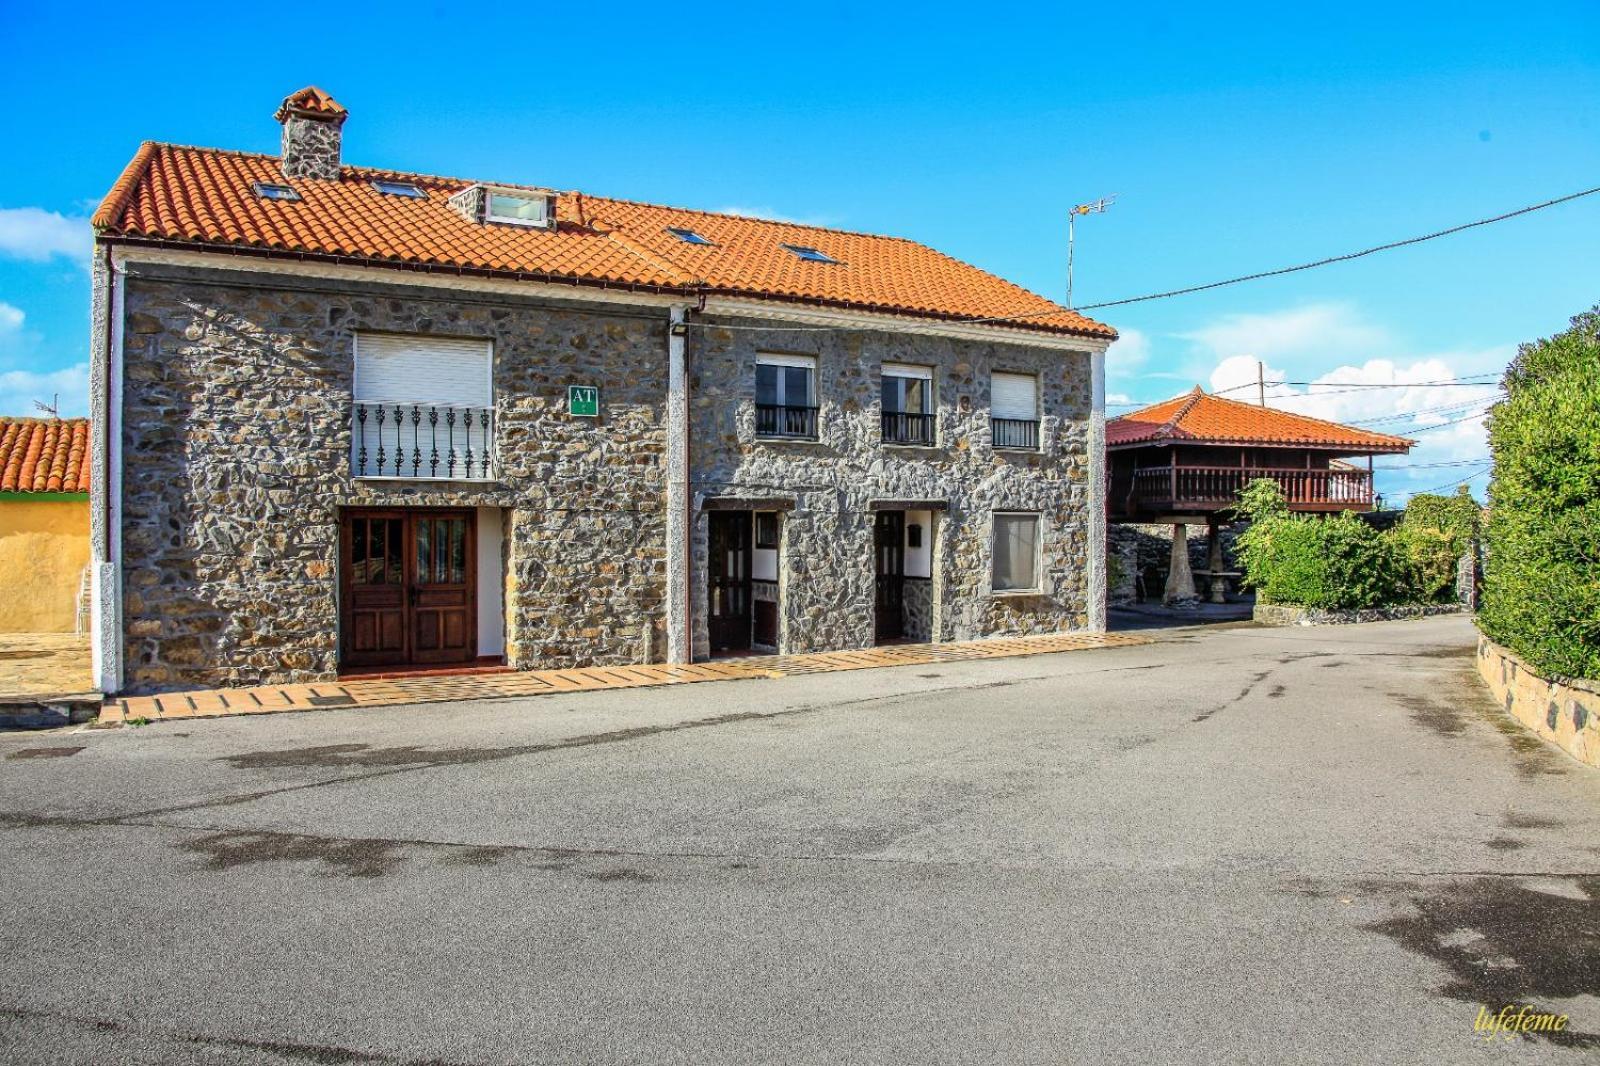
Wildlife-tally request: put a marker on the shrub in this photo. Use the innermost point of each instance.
(1541, 594)
(1435, 532)
(1336, 563)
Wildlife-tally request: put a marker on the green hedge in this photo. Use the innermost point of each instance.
(1541, 594)
(1335, 563)
(1433, 536)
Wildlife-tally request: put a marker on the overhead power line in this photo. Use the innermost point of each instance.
(1346, 257)
(1258, 275)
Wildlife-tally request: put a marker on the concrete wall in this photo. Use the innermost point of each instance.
(1566, 713)
(44, 546)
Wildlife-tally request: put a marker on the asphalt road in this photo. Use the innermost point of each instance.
(1240, 845)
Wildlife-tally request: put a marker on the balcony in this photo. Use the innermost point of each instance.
(1214, 488)
(786, 421)
(1020, 433)
(421, 442)
(904, 427)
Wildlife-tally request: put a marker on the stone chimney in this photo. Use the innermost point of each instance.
(311, 120)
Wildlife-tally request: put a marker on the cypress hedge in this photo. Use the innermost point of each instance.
(1541, 594)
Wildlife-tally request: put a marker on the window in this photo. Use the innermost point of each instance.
(423, 407)
(766, 530)
(810, 255)
(400, 188)
(519, 208)
(268, 191)
(1016, 552)
(908, 408)
(688, 236)
(1014, 410)
(786, 396)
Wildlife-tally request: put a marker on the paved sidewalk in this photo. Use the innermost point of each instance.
(383, 692)
(35, 665)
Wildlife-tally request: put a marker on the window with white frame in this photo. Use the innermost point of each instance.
(1016, 551)
(908, 406)
(786, 391)
(1014, 410)
(518, 208)
(423, 407)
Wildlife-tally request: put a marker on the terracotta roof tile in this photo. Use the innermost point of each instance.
(1202, 417)
(205, 196)
(44, 455)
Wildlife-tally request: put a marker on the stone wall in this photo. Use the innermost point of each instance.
(826, 562)
(310, 147)
(1564, 712)
(236, 441)
(1285, 614)
(1145, 550)
(918, 612)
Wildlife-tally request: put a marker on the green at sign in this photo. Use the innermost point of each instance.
(583, 401)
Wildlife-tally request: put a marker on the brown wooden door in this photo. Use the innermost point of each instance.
(444, 625)
(409, 589)
(729, 595)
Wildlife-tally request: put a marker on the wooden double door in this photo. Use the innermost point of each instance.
(408, 587)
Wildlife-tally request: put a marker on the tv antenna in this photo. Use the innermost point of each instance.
(1093, 207)
(53, 408)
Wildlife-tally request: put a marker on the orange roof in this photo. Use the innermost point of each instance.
(314, 100)
(1203, 418)
(44, 455)
(204, 196)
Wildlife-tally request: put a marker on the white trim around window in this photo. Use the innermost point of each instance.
(1015, 541)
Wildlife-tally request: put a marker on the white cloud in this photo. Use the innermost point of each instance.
(37, 235)
(1335, 352)
(1127, 354)
(10, 318)
(1300, 331)
(20, 388)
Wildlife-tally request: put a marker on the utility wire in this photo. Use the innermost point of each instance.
(1348, 255)
(1055, 311)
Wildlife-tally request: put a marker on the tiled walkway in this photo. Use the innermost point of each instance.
(501, 685)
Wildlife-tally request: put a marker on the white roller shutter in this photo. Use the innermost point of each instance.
(1014, 396)
(399, 368)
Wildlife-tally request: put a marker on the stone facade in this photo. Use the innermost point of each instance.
(235, 456)
(311, 146)
(826, 574)
(236, 444)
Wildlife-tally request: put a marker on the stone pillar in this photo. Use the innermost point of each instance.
(1219, 584)
(311, 134)
(1180, 578)
(678, 611)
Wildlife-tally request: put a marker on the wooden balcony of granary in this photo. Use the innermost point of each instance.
(1192, 454)
(1184, 461)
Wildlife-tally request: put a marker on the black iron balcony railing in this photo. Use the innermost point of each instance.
(904, 427)
(422, 440)
(1015, 433)
(786, 420)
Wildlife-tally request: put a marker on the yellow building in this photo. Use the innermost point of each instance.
(44, 522)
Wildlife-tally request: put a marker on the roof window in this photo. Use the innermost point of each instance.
(689, 236)
(400, 188)
(810, 255)
(518, 208)
(268, 191)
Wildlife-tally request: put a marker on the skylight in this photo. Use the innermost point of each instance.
(810, 255)
(268, 191)
(400, 188)
(688, 236)
(518, 208)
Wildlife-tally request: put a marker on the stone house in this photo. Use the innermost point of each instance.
(350, 419)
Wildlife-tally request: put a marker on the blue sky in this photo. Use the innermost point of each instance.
(1237, 138)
